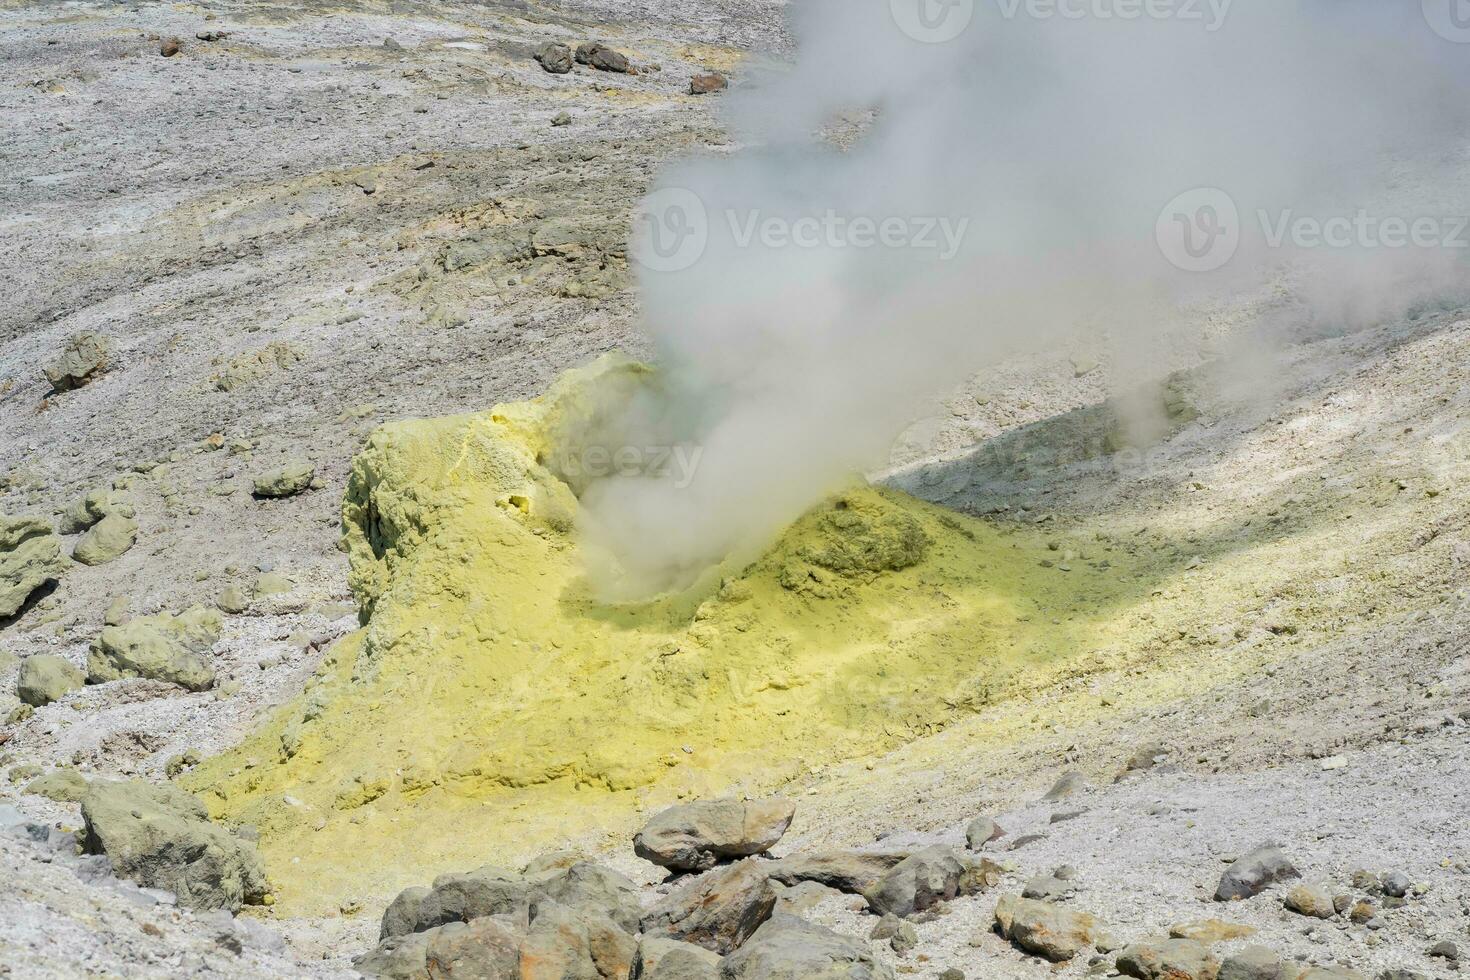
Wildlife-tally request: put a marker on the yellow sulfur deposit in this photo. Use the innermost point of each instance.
(489, 707)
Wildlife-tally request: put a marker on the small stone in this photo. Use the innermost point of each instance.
(1361, 912)
(84, 357)
(1169, 959)
(981, 831)
(1396, 884)
(1211, 931)
(710, 82)
(1445, 950)
(233, 600)
(45, 678)
(60, 786)
(1250, 874)
(117, 612)
(1310, 900)
(919, 882)
(1070, 784)
(271, 583)
(1046, 888)
(170, 47)
(1255, 963)
(905, 937)
(1045, 930)
(556, 58)
(285, 481)
(603, 58)
(562, 118)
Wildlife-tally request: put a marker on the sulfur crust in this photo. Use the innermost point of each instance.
(489, 707)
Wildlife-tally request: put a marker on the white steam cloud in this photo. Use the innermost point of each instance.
(1009, 188)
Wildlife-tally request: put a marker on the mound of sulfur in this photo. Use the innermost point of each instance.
(490, 706)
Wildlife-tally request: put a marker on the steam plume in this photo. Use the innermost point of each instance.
(1049, 147)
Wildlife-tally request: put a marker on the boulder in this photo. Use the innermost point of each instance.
(1168, 959)
(1045, 930)
(285, 481)
(981, 831)
(30, 557)
(555, 58)
(87, 510)
(1256, 963)
(485, 949)
(46, 677)
(1252, 873)
(162, 647)
(1310, 900)
(61, 786)
(695, 836)
(668, 959)
(107, 540)
(853, 872)
(82, 359)
(161, 837)
(789, 948)
(573, 943)
(918, 882)
(719, 911)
